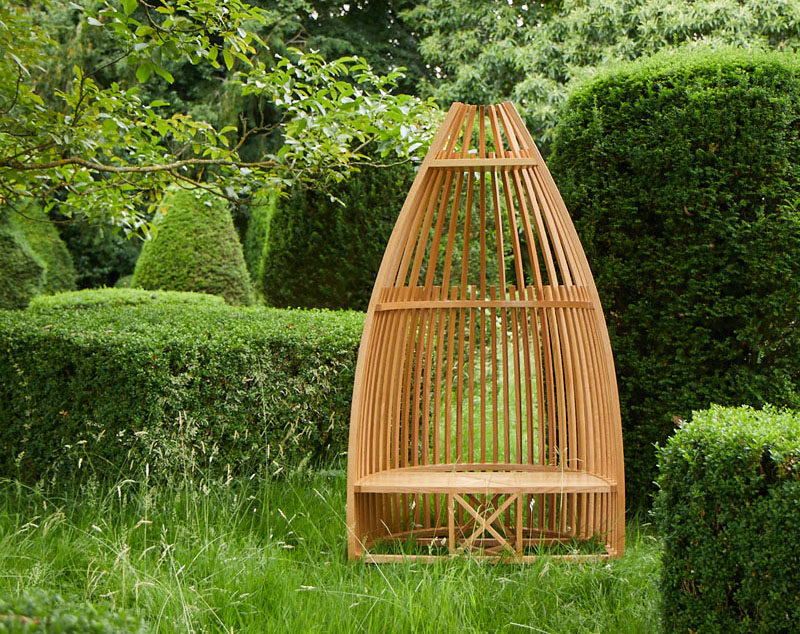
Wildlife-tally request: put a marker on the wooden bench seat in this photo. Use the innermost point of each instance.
(483, 478)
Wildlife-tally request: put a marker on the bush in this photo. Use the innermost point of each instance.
(195, 249)
(682, 173)
(109, 297)
(260, 211)
(177, 384)
(321, 253)
(728, 509)
(33, 259)
(48, 613)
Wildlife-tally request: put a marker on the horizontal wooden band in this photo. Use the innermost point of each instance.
(477, 163)
(479, 303)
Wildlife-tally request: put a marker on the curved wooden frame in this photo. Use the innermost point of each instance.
(485, 413)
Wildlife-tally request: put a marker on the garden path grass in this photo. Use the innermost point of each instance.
(271, 557)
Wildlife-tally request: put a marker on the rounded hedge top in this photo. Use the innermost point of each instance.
(682, 173)
(195, 249)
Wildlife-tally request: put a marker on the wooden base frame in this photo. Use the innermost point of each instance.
(485, 407)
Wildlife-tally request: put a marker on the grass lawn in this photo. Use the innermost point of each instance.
(271, 557)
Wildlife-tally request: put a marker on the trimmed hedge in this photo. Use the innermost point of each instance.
(683, 175)
(729, 511)
(260, 211)
(322, 253)
(174, 383)
(195, 249)
(33, 258)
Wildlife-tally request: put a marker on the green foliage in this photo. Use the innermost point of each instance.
(179, 382)
(682, 174)
(110, 297)
(33, 259)
(324, 253)
(21, 270)
(260, 211)
(728, 509)
(195, 249)
(101, 256)
(34, 612)
(534, 53)
(93, 134)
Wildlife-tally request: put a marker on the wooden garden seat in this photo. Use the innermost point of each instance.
(485, 414)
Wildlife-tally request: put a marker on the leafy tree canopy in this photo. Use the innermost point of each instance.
(487, 51)
(100, 145)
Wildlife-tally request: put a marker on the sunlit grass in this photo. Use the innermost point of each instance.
(271, 557)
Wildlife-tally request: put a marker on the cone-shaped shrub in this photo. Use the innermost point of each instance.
(195, 249)
(33, 258)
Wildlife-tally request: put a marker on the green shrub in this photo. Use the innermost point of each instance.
(108, 297)
(260, 211)
(33, 259)
(195, 249)
(682, 173)
(38, 611)
(729, 510)
(178, 385)
(322, 253)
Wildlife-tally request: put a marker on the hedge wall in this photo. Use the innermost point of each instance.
(260, 211)
(326, 254)
(683, 175)
(195, 248)
(173, 383)
(729, 511)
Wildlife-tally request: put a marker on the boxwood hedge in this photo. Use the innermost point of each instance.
(683, 175)
(173, 382)
(729, 511)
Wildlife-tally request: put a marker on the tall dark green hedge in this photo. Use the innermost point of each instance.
(33, 258)
(682, 173)
(322, 253)
(173, 381)
(728, 510)
(195, 249)
(260, 210)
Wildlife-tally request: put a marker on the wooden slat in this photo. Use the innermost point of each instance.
(483, 303)
(478, 163)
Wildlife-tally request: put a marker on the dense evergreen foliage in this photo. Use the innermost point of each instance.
(107, 386)
(259, 213)
(325, 253)
(728, 509)
(195, 249)
(683, 176)
(33, 259)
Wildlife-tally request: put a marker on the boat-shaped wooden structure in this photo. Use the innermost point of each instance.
(485, 412)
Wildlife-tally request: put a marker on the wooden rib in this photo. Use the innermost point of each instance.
(427, 380)
(471, 379)
(448, 393)
(498, 221)
(493, 362)
(495, 164)
(451, 234)
(482, 132)
(498, 140)
(467, 231)
(471, 110)
(515, 345)
(460, 385)
(433, 254)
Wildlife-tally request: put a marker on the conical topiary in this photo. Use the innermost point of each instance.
(195, 248)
